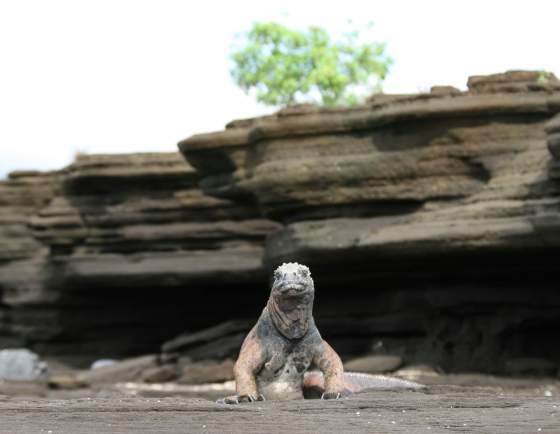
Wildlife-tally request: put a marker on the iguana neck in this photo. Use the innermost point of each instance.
(292, 318)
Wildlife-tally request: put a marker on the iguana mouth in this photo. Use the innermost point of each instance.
(291, 288)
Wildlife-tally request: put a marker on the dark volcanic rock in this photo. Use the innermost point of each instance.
(125, 370)
(189, 340)
(388, 160)
(373, 364)
(160, 374)
(429, 221)
(116, 246)
(531, 366)
(66, 382)
(207, 371)
(553, 141)
(514, 81)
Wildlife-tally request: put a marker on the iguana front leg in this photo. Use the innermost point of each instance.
(250, 361)
(330, 364)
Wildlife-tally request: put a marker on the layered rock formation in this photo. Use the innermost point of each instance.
(430, 221)
(553, 141)
(111, 255)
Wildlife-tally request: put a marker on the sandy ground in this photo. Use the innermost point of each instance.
(437, 409)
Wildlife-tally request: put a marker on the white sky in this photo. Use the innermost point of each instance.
(132, 75)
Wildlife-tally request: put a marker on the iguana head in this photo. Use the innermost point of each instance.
(291, 299)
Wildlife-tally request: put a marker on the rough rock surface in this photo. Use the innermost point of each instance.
(126, 370)
(437, 213)
(207, 371)
(552, 129)
(431, 224)
(443, 409)
(109, 256)
(373, 364)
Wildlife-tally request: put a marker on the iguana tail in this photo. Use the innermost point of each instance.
(368, 381)
(313, 383)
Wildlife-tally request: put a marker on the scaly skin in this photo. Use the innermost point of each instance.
(283, 345)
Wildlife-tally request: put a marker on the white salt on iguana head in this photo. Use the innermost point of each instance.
(292, 274)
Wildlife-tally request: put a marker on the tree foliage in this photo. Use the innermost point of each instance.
(283, 66)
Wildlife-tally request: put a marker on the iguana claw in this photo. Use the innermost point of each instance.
(259, 397)
(336, 395)
(238, 399)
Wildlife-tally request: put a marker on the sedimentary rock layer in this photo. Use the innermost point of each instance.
(117, 246)
(438, 213)
(431, 224)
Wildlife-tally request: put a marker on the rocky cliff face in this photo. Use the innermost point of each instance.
(110, 255)
(430, 221)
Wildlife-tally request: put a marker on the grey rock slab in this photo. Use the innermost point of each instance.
(186, 340)
(160, 374)
(374, 363)
(125, 370)
(21, 365)
(531, 366)
(207, 371)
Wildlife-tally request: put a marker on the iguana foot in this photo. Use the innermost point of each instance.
(238, 399)
(336, 395)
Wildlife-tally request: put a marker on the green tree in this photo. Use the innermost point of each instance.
(283, 66)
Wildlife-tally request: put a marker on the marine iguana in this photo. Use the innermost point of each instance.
(285, 343)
